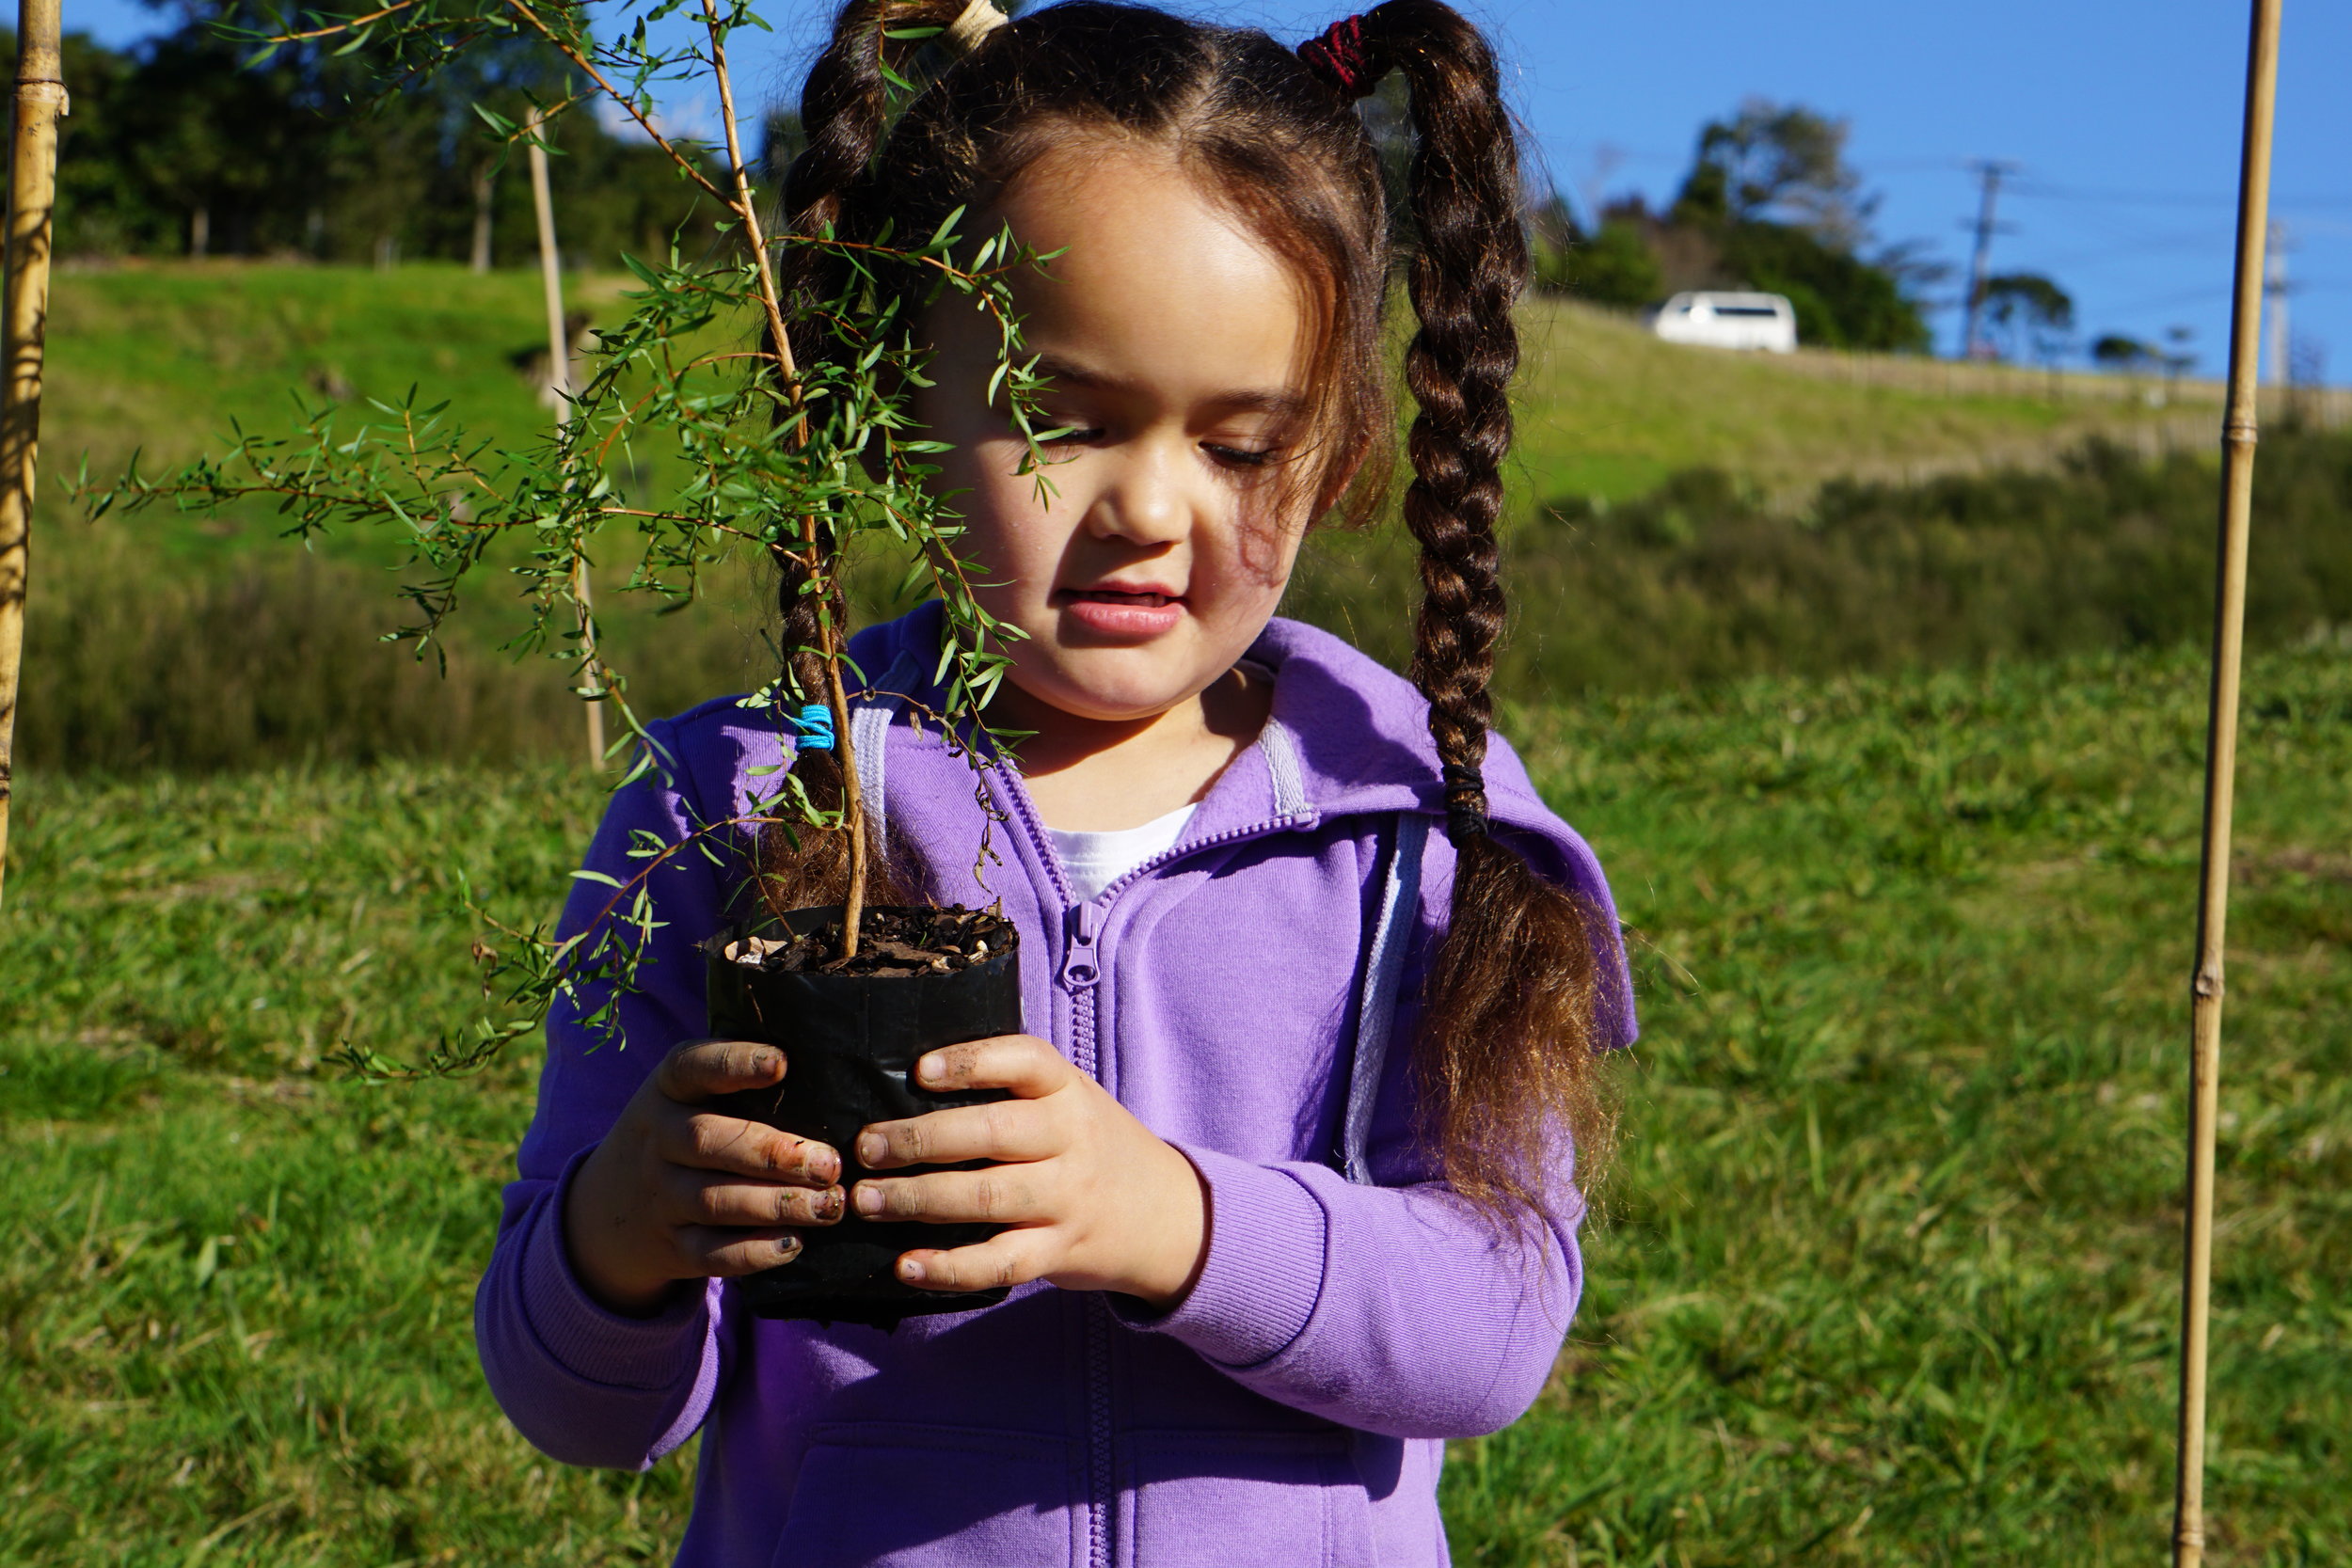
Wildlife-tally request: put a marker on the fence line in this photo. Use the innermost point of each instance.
(2328, 407)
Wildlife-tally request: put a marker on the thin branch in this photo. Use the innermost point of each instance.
(746, 211)
(350, 25)
(623, 99)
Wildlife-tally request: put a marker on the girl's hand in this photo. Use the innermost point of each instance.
(1094, 1199)
(675, 1192)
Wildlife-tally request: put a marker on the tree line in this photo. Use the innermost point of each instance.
(178, 147)
(1770, 203)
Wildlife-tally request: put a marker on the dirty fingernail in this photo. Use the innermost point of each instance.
(829, 1204)
(931, 1070)
(867, 1197)
(910, 1270)
(871, 1146)
(788, 1247)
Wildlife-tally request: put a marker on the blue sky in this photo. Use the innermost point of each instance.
(2124, 117)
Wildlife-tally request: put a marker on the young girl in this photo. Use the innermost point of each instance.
(1314, 980)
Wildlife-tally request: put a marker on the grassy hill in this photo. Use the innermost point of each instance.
(164, 356)
(1608, 412)
(1887, 1278)
(206, 641)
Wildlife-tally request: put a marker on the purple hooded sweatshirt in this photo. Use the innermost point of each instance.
(1248, 996)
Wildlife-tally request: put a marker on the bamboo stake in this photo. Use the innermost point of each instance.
(560, 383)
(40, 98)
(2238, 435)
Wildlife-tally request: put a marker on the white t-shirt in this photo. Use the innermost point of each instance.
(1093, 862)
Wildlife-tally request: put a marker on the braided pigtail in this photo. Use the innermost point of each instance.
(844, 113)
(801, 867)
(1506, 1053)
(845, 107)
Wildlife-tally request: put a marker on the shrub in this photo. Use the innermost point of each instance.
(1700, 580)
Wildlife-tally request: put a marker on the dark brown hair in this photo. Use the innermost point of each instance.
(1506, 1057)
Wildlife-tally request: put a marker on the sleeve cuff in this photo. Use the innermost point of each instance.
(1264, 1274)
(590, 1341)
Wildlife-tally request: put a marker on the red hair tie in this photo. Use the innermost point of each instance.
(1339, 57)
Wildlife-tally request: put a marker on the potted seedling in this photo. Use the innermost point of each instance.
(802, 461)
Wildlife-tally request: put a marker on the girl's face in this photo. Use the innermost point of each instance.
(1175, 344)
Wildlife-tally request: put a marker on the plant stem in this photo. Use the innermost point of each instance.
(852, 807)
(746, 210)
(32, 191)
(828, 627)
(588, 68)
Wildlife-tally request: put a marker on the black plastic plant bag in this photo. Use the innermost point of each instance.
(851, 1042)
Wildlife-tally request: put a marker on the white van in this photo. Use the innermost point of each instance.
(1728, 321)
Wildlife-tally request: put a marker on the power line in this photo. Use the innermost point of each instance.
(2036, 191)
(2215, 293)
(2163, 244)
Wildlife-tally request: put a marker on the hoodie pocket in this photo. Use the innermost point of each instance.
(1209, 1499)
(899, 1494)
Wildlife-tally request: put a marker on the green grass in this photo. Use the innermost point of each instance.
(1888, 1279)
(237, 1288)
(162, 356)
(1892, 1273)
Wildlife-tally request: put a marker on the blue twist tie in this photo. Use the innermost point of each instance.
(816, 726)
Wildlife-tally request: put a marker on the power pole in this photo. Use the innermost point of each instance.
(2275, 307)
(1990, 170)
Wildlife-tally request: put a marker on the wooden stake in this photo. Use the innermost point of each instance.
(2238, 433)
(32, 196)
(560, 383)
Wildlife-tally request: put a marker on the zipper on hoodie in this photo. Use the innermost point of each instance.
(1083, 962)
(1194, 845)
(1081, 967)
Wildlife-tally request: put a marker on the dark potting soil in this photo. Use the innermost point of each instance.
(890, 942)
